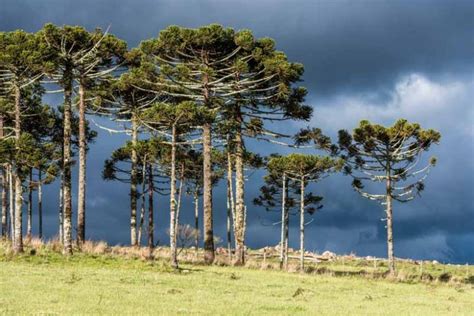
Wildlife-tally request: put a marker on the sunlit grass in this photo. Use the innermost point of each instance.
(48, 283)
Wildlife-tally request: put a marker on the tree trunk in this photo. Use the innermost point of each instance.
(11, 195)
(196, 220)
(18, 244)
(283, 222)
(239, 229)
(209, 254)
(287, 231)
(133, 183)
(67, 223)
(4, 186)
(142, 208)
(18, 239)
(230, 201)
(207, 195)
(61, 209)
(180, 190)
(173, 248)
(150, 210)
(302, 225)
(391, 259)
(29, 217)
(229, 225)
(81, 194)
(40, 204)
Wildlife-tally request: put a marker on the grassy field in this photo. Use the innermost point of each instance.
(86, 283)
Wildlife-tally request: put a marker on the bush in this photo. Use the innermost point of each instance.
(445, 277)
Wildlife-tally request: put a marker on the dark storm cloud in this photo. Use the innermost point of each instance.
(343, 44)
(356, 56)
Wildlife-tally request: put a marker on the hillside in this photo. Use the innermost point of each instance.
(106, 280)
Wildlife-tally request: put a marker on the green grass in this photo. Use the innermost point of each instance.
(48, 283)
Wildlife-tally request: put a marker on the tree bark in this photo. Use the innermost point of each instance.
(230, 201)
(18, 244)
(133, 183)
(391, 259)
(207, 195)
(287, 231)
(229, 219)
(40, 204)
(61, 209)
(142, 207)
(173, 248)
(18, 239)
(283, 221)
(239, 229)
(11, 195)
(67, 223)
(196, 220)
(81, 194)
(209, 254)
(302, 225)
(180, 191)
(150, 211)
(4, 184)
(29, 216)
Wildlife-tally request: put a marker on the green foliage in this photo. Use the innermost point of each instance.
(311, 167)
(21, 58)
(315, 135)
(387, 153)
(296, 168)
(151, 150)
(183, 115)
(177, 83)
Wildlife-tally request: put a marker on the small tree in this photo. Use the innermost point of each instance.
(122, 101)
(191, 160)
(281, 193)
(303, 169)
(175, 120)
(225, 160)
(389, 155)
(137, 161)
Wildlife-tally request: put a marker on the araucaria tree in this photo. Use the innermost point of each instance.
(123, 102)
(260, 89)
(245, 80)
(80, 60)
(188, 64)
(190, 100)
(20, 67)
(145, 156)
(280, 193)
(303, 169)
(175, 121)
(392, 156)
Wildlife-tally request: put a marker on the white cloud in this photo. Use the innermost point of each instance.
(446, 106)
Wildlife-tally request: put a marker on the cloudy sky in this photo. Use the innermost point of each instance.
(376, 60)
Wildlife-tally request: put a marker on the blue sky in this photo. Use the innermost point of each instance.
(376, 60)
